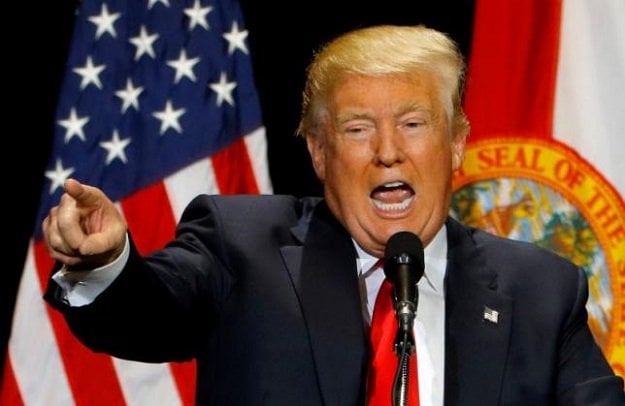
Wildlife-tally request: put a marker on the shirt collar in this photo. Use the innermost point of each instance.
(435, 255)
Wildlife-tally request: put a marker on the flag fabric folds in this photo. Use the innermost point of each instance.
(158, 104)
(543, 163)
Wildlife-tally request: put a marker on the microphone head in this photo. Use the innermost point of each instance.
(403, 247)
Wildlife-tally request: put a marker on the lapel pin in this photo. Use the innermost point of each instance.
(491, 315)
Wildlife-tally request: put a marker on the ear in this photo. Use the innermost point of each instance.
(317, 151)
(458, 144)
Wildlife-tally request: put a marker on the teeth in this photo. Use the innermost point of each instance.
(393, 184)
(393, 206)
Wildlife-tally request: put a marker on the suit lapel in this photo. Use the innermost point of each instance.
(324, 274)
(477, 324)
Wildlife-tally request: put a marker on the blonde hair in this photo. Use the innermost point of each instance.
(385, 50)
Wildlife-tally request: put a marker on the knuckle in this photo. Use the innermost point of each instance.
(55, 242)
(65, 199)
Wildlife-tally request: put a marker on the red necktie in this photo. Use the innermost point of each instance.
(383, 362)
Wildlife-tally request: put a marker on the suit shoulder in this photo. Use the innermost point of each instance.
(521, 261)
(516, 251)
(464, 238)
(253, 207)
(529, 274)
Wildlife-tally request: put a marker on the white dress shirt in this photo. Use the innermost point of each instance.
(429, 326)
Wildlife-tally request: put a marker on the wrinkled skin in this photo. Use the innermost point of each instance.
(385, 154)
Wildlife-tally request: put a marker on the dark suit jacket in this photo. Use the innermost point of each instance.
(263, 292)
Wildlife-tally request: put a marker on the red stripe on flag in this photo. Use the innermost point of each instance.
(151, 221)
(184, 375)
(513, 67)
(9, 393)
(233, 170)
(87, 372)
(149, 217)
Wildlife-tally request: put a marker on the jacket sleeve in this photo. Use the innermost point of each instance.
(159, 307)
(584, 375)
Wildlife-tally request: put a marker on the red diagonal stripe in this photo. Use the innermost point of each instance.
(233, 170)
(184, 375)
(9, 392)
(150, 218)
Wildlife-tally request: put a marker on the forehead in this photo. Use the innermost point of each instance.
(392, 91)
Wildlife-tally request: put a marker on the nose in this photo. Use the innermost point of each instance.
(389, 147)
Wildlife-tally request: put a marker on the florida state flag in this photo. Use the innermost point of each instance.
(546, 101)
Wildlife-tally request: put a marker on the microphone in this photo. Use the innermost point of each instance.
(404, 266)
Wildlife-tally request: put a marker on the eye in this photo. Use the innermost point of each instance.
(357, 129)
(412, 123)
(412, 126)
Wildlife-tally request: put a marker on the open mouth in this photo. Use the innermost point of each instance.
(392, 196)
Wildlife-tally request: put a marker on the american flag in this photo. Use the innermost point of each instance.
(158, 105)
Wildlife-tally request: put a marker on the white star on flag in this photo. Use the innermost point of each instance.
(224, 89)
(151, 3)
(58, 175)
(104, 22)
(115, 148)
(197, 15)
(169, 118)
(183, 66)
(144, 43)
(74, 125)
(129, 96)
(90, 74)
(236, 39)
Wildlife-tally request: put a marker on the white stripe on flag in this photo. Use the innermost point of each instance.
(146, 384)
(189, 182)
(256, 144)
(33, 350)
(590, 93)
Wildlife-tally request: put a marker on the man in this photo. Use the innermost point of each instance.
(273, 295)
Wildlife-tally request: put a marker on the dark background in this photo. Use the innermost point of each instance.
(281, 45)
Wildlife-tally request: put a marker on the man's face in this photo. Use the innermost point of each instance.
(386, 156)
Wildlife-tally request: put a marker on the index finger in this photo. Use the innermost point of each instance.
(83, 194)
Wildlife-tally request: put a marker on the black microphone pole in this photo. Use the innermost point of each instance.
(404, 266)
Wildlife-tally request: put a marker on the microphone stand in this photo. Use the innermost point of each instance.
(404, 347)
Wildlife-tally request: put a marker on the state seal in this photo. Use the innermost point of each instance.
(544, 192)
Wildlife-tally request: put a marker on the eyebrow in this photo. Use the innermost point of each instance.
(342, 118)
(407, 108)
(414, 107)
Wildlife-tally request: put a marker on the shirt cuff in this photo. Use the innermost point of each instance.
(81, 288)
